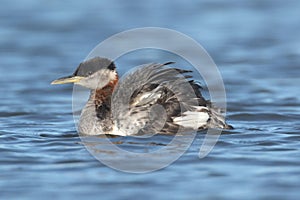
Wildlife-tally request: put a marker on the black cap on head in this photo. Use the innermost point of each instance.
(89, 67)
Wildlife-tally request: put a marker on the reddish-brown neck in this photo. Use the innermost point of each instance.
(104, 94)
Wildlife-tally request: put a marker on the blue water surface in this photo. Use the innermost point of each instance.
(254, 43)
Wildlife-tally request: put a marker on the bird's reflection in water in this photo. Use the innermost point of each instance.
(133, 154)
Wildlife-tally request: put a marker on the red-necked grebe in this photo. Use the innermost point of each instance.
(161, 87)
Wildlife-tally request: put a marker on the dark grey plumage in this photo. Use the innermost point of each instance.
(93, 65)
(168, 87)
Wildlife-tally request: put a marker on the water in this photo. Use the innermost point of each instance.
(256, 47)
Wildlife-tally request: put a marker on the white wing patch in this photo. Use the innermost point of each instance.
(147, 97)
(192, 119)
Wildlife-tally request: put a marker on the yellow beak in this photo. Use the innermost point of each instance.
(68, 79)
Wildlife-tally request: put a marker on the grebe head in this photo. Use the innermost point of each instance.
(95, 73)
